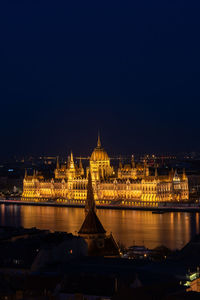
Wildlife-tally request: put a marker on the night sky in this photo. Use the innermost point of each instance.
(129, 69)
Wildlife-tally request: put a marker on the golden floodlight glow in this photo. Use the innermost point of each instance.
(129, 185)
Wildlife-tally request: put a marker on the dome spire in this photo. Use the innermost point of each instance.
(99, 141)
(71, 157)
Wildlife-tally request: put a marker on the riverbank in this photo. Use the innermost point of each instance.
(191, 207)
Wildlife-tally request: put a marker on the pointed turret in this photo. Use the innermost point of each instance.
(156, 173)
(81, 170)
(145, 169)
(176, 177)
(80, 164)
(25, 174)
(71, 164)
(184, 176)
(71, 170)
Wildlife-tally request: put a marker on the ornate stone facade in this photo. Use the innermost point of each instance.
(130, 185)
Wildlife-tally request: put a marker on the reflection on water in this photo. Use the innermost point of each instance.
(173, 229)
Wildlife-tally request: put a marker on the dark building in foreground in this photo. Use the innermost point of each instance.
(38, 264)
(99, 244)
(32, 249)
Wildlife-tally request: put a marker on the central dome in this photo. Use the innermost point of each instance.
(99, 153)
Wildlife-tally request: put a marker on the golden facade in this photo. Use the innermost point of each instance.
(130, 185)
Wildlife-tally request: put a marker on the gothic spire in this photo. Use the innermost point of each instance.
(184, 174)
(80, 164)
(71, 162)
(91, 224)
(90, 202)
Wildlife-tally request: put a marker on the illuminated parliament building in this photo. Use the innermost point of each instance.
(130, 185)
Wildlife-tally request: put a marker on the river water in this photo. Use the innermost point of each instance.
(172, 229)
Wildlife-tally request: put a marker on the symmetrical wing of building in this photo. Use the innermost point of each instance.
(128, 185)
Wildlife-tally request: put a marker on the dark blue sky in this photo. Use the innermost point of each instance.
(69, 68)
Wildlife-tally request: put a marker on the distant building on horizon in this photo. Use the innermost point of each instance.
(131, 185)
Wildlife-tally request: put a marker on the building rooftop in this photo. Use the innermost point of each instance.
(91, 224)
